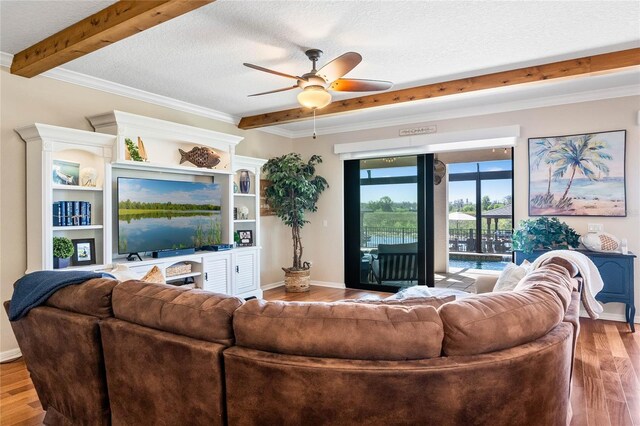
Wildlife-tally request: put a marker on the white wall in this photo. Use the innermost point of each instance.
(324, 245)
(44, 100)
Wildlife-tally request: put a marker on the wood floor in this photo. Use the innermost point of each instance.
(606, 381)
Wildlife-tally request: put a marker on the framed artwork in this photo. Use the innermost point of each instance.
(578, 175)
(265, 209)
(246, 238)
(84, 252)
(66, 172)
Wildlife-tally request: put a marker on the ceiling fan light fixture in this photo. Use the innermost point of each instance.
(314, 97)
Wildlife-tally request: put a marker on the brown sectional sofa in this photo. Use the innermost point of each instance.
(136, 353)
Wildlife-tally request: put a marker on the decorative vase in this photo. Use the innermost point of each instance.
(235, 188)
(245, 182)
(297, 281)
(88, 176)
(61, 263)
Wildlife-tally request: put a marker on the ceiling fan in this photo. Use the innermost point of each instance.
(316, 83)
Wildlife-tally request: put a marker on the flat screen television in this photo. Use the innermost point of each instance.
(156, 215)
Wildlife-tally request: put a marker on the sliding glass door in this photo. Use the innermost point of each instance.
(387, 246)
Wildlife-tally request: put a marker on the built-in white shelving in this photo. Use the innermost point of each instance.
(76, 188)
(234, 272)
(77, 228)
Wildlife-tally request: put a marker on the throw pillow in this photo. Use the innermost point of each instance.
(600, 241)
(511, 276)
(154, 276)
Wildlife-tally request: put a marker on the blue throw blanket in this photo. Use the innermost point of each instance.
(34, 289)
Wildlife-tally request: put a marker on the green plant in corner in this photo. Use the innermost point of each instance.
(62, 247)
(295, 190)
(544, 233)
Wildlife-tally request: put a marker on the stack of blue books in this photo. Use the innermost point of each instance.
(71, 213)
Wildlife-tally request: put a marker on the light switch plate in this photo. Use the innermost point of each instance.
(595, 227)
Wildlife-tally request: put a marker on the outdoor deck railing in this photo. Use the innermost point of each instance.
(460, 240)
(373, 236)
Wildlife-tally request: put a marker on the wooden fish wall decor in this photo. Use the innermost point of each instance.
(201, 157)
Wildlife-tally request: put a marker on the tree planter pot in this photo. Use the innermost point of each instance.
(297, 281)
(61, 263)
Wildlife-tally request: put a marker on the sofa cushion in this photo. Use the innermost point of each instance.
(494, 321)
(434, 301)
(93, 297)
(339, 330)
(195, 313)
(569, 266)
(553, 277)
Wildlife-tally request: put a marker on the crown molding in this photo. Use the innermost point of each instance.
(488, 108)
(90, 82)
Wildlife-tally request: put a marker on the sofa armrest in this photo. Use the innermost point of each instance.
(485, 283)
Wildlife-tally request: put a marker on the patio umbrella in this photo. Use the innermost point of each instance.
(458, 216)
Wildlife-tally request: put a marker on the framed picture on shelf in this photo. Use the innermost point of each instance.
(578, 175)
(246, 238)
(84, 252)
(265, 208)
(66, 172)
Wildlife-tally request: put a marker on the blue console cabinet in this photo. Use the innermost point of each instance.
(617, 273)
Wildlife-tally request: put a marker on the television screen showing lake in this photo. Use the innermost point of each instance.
(159, 215)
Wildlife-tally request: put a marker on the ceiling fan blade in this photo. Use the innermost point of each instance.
(274, 91)
(354, 85)
(281, 74)
(339, 66)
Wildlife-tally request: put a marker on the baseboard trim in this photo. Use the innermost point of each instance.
(10, 355)
(272, 285)
(610, 317)
(328, 284)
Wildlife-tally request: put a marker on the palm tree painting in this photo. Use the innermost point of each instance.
(577, 175)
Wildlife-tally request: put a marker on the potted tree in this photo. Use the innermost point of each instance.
(62, 252)
(535, 236)
(294, 190)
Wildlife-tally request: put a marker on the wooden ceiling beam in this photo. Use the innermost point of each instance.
(562, 69)
(110, 25)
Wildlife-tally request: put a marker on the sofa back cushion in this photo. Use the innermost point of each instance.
(494, 321)
(339, 330)
(194, 313)
(64, 357)
(553, 277)
(569, 266)
(434, 301)
(93, 297)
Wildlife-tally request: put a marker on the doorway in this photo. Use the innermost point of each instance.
(389, 222)
(480, 195)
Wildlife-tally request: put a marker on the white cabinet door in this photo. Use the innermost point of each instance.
(216, 274)
(244, 271)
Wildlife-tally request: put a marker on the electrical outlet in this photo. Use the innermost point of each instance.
(595, 227)
(325, 223)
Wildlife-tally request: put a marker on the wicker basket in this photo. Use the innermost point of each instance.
(297, 281)
(178, 269)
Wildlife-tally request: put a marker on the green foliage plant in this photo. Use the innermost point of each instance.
(544, 233)
(295, 189)
(62, 247)
(133, 150)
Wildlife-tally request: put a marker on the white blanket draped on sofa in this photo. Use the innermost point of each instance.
(590, 276)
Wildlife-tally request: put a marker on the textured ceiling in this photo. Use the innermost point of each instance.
(198, 57)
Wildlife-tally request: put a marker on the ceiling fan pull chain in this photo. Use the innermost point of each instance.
(314, 123)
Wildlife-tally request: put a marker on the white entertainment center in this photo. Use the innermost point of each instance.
(235, 271)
